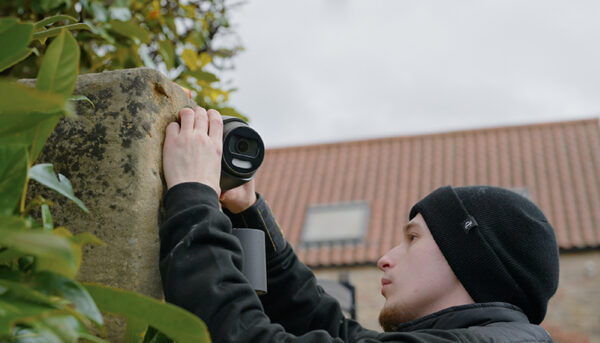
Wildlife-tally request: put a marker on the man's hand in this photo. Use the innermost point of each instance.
(240, 198)
(192, 150)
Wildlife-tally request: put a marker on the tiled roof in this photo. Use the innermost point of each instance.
(558, 164)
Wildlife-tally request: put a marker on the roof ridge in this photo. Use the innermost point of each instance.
(589, 120)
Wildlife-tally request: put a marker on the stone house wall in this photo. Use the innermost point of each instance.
(575, 308)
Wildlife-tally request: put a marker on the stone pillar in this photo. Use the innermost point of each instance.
(112, 154)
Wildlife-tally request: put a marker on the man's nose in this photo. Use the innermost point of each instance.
(383, 263)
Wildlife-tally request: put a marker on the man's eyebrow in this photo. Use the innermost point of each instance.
(408, 225)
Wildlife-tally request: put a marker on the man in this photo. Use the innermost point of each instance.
(476, 264)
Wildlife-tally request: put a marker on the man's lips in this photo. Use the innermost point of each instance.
(384, 282)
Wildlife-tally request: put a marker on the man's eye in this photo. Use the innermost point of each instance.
(412, 237)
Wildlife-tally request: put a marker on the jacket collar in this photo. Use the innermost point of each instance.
(464, 316)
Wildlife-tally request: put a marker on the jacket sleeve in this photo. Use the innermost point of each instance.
(200, 263)
(292, 291)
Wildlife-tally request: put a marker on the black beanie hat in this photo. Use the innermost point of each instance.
(499, 245)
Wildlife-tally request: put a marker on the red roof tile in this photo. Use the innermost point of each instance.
(558, 164)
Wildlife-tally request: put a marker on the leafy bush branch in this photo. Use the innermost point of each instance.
(190, 41)
(40, 300)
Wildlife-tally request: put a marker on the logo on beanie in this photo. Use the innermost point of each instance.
(469, 223)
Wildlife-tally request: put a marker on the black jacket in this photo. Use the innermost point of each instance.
(200, 264)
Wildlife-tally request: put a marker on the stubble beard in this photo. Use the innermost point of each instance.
(393, 315)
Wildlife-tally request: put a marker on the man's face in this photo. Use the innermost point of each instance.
(417, 279)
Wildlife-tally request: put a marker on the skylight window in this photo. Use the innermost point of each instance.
(335, 223)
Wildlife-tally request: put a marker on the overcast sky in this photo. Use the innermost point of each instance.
(318, 71)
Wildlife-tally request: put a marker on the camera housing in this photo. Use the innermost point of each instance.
(243, 153)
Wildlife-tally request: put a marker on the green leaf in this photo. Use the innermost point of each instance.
(56, 252)
(28, 116)
(204, 76)
(85, 238)
(60, 66)
(15, 58)
(204, 58)
(42, 35)
(54, 19)
(58, 285)
(57, 327)
(154, 336)
(175, 322)
(224, 53)
(171, 24)
(21, 291)
(9, 255)
(82, 98)
(135, 330)
(13, 175)
(196, 39)
(40, 136)
(190, 58)
(14, 39)
(167, 52)
(15, 309)
(48, 5)
(22, 108)
(8, 22)
(100, 31)
(60, 328)
(130, 29)
(190, 10)
(47, 222)
(35, 137)
(44, 174)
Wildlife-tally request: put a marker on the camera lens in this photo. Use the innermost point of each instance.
(242, 146)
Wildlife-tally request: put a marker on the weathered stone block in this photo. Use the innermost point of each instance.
(112, 154)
